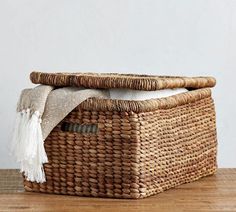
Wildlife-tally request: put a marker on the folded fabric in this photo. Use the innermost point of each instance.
(128, 94)
(39, 110)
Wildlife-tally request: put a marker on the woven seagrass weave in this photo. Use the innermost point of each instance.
(113, 80)
(140, 148)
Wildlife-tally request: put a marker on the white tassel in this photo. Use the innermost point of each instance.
(33, 124)
(27, 145)
(16, 130)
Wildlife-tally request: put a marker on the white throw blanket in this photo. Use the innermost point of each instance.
(39, 110)
(128, 94)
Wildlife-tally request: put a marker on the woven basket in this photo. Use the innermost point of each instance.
(130, 149)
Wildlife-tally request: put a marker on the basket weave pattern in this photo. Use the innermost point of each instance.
(113, 80)
(140, 149)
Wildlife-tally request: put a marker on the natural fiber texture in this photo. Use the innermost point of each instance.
(147, 105)
(113, 80)
(141, 147)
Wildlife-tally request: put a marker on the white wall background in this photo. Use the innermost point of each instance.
(166, 37)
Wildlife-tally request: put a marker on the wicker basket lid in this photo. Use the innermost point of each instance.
(115, 80)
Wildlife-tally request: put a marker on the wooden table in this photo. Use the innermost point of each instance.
(214, 193)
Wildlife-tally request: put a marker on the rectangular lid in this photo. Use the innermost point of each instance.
(115, 80)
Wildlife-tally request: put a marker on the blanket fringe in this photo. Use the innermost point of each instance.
(27, 145)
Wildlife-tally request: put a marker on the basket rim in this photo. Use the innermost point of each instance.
(115, 80)
(96, 104)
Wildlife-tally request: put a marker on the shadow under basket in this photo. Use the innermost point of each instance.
(130, 149)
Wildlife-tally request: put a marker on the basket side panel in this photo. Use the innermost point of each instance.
(102, 164)
(178, 144)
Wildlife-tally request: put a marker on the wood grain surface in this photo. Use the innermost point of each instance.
(214, 193)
